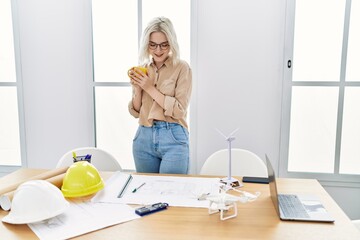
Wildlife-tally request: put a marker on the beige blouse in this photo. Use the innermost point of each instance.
(175, 82)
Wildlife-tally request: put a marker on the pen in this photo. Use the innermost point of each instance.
(135, 189)
(125, 186)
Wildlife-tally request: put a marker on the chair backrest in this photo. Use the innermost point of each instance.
(101, 159)
(243, 163)
(356, 223)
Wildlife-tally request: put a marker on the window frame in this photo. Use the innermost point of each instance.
(5, 169)
(96, 84)
(331, 179)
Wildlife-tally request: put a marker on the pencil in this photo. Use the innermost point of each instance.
(125, 186)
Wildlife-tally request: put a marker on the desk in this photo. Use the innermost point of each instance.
(255, 220)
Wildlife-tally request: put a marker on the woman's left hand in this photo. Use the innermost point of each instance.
(142, 80)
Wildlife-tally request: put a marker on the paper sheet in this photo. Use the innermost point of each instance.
(81, 218)
(176, 191)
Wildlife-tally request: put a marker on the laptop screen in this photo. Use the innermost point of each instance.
(272, 184)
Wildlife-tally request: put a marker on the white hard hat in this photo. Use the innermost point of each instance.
(35, 201)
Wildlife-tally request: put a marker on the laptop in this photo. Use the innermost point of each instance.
(296, 207)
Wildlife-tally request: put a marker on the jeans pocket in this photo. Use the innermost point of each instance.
(137, 133)
(179, 134)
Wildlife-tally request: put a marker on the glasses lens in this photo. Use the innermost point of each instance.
(152, 45)
(164, 46)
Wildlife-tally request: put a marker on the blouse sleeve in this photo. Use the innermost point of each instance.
(176, 106)
(132, 111)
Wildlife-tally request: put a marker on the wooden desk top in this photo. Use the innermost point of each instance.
(255, 220)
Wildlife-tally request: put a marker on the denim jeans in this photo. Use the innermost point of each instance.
(162, 148)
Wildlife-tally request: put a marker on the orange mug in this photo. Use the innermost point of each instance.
(142, 69)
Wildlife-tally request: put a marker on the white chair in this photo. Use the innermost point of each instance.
(101, 159)
(356, 223)
(243, 163)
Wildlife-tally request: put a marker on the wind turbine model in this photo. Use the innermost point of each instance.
(229, 180)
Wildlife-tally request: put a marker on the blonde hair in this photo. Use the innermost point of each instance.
(164, 25)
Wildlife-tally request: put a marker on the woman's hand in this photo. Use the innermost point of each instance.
(141, 80)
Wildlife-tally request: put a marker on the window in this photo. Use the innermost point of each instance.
(10, 154)
(321, 131)
(117, 28)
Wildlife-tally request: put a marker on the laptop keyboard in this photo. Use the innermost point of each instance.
(292, 207)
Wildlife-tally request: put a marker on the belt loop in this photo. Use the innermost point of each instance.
(167, 125)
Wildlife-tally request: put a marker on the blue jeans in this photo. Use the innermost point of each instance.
(162, 148)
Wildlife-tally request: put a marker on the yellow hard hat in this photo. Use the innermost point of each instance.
(81, 179)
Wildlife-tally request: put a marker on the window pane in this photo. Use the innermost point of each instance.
(353, 54)
(7, 57)
(318, 40)
(313, 129)
(179, 14)
(115, 39)
(350, 141)
(115, 127)
(9, 128)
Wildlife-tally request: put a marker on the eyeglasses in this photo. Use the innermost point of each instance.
(163, 45)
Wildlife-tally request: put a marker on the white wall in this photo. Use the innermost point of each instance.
(55, 44)
(238, 76)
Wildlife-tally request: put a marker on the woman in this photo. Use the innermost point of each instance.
(160, 101)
